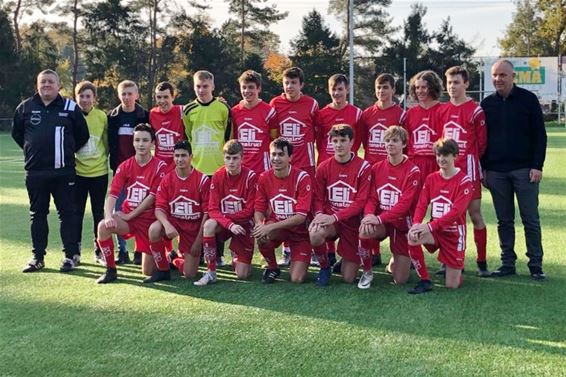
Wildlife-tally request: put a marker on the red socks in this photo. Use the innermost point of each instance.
(331, 246)
(158, 254)
(321, 253)
(375, 248)
(364, 251)
(209, 250)
(417, 258)
(267, 250)
(179, 264)
(107, 248)
(480, 238)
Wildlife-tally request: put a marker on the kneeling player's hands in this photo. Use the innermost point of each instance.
(123, 216)
(370, 220)
(110, 223)
(238, 230)
(418, 231)
(170, 231)
(323, 220)
(261, 231)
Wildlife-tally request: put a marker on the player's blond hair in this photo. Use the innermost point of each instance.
(203, 75)
(233, 146)
(396, 131)
(127, 84)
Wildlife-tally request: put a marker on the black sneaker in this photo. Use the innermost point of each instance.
(483, 272)
(269, 276)
(34, 265)
(158, 276)
(137, 258)
(123, 258)
(331, 259)
(537, 274)
(504, 271)
(441, 271)
(67, 265)
(170, 257)
(376, 260)
(109, 276)
(422, 286)
(337, 268)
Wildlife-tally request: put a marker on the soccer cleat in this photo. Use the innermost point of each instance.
(376, 260)
(123, 258)
(314, 261)
(158, 276)
(77, 260)
(34, 265)
(537, 274)
(365, 280)
(269, 276)
(323, 278)
(67, 265)
(137, 258)
(285, 260)
(422, 286)
(209, 277)
(442, 270)
(483, 272)
(109, 276)
(337, 268)
(504, 271)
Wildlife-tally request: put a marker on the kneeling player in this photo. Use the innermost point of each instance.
(139, 176)
(230, 208)
(448, 191)
(342, 188)
(392, 201)
(181, 210)
(283, 202)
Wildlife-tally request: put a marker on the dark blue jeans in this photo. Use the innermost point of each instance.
(504, 186)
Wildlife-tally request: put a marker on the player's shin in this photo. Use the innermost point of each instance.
(480, 238)
(321, 253)
(209, 249)
(364, 251)
(158, 254)
(417, 258)
(107, 248)
(267, 250)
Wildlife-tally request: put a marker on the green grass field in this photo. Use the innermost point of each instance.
(54, 324)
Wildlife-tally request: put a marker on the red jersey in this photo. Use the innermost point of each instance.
(424, 128)
(448, 198)
(394, 192)
(328, 117)
(169, 129)
(296, 122)
(232, 197)
(373, 124)
(139, 182)
(253, 129)
(183, 198)
(465, 123)
(342, 189)
(281, 198)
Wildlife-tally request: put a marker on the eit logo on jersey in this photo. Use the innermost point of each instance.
(249, 135)
(422, 136)
(376, 135)
(136, 193)
(341, 194)
(453, 130)
(166, 138)
(283, 206)
(292, 129)
(440, 206)
(388, 196)
(231, 204)
(185, 208)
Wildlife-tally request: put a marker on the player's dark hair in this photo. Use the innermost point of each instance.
(233, 146)
(165, 85)
(185, 145)
(434, 84)
(342, 130)
(445, 147)
(294, 73)
(145, 127)
(250, 76)
(338, 78)
(398, 131)
(85, 85)
(385, 78)
(458, 70)
(281, 143)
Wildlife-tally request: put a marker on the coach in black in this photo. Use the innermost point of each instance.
(512, 163)
(50, 129)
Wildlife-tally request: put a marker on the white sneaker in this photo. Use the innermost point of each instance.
(365, 280)
(314, 261)
(208, 277)
(285, 260)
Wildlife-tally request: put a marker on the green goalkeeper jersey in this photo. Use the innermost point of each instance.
(208, 127)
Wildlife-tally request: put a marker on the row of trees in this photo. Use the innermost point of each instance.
(106, 41)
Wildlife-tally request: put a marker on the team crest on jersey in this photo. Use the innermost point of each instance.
(283, 206)
(35, 119)
(136, 193)
(453, 130)
(166, 138)
(389, 196)
(204, 137)
(249, 135)
(440, 206)
(292, 129)
(185, 208)
(232, 204)
(422, 136)
(376, 135)
(341, 194)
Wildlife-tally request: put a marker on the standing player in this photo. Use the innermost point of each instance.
(296, 117)
(448, 191)
(464, 122)
(388, 212)
(181, 209)
(422, 121)
(283, 202)
(342, 188)
(208, 127)
(166, 120)
(230, 208)
(139, 176)
(121, 122)
(255, 123)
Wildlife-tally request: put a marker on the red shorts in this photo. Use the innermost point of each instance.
(242, 247)
(476, 194)
(426, 164)
(139, 228)
(299, 244)
(348, 243)
(452, 245)
(398, 242)
(471, 166)
(188, 231)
